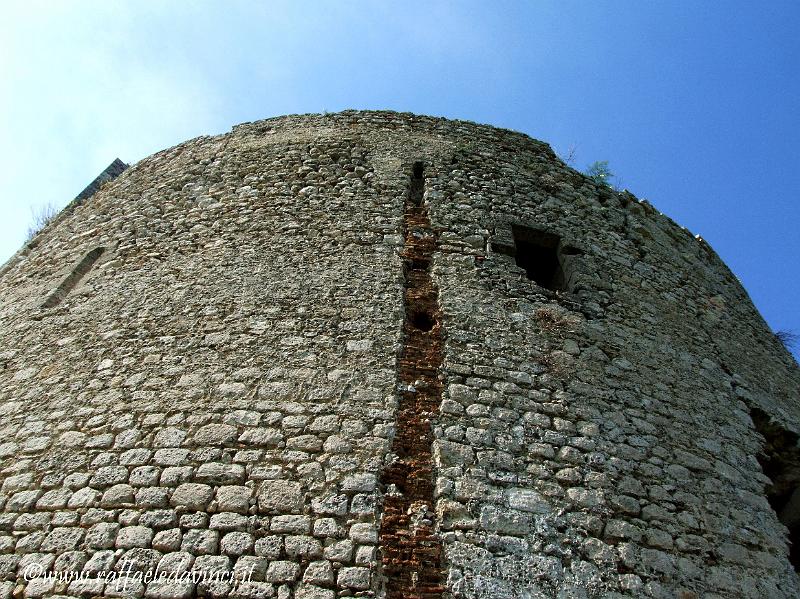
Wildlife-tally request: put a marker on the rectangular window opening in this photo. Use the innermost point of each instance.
(780, 461)
(537, 252)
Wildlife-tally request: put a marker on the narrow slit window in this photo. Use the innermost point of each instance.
(417, 187)
(780, 461)
(68, 284)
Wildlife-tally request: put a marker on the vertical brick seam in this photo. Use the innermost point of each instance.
(411, 551)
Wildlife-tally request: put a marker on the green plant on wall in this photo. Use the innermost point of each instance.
(600, 173)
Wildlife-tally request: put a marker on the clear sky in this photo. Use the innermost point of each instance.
(696, 105)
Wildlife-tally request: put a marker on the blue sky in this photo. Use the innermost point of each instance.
(696, 105)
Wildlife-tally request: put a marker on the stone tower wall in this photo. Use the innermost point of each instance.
(216, 363)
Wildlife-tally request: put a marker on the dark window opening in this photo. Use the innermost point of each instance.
(416, 265)
(538, 253)
(780, 461)
(421, 320)
(417, 188)
(72, 280)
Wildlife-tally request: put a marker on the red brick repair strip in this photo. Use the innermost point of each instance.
(410, 549)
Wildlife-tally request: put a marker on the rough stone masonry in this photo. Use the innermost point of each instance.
(372, 354)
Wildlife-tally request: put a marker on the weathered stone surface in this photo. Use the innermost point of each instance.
(269, 546)
(229, 521)
(291, 524)
(280, 496)
(102, 535)
(138, 559)
(217, 381)
(100, 561)
(170, 589)
(309, 591)
(319, 573)
(192, 496)
(364, 533)
(216, 434)
(134, 536)
(302, 546)
(233, 499)
(61, 540)
(236, 543)
(220, 474)
(282, 571)
(118, 496)
(167, 540)
(200, 542)
(249, 567)
(354, 578)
